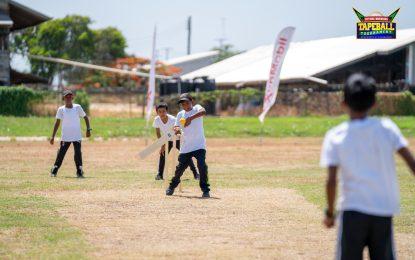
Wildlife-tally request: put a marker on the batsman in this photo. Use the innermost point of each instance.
(189, 122)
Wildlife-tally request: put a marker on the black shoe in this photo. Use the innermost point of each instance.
(206, 194)
(159, 177)
(169, 192)
(54, 171)
(80, 174)
(196, 176)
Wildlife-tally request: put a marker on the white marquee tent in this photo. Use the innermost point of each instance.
(305, 60)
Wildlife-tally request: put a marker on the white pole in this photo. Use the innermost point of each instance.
(95, 67)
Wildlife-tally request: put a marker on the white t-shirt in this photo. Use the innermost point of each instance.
(165, 127)
(364, 152)
(71, 125)
(193, 134)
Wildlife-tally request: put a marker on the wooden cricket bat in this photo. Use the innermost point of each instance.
(156, 145)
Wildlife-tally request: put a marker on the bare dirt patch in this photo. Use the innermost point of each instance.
(247, 223)
(123, 213)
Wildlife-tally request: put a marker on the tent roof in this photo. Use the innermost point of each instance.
(191, 57)
(305, 60)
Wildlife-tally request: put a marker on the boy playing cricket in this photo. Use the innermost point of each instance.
(192, 99)
(69, 114)
(362, 150)
(163, 123)
(194, 144)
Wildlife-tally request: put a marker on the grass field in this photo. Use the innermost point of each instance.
(267, 203)
(214, 126)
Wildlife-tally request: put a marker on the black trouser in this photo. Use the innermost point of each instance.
(358, 230)
(61, 154)
(184, 160)
(162, 160)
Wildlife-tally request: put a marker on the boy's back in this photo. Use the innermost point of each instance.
(364, 152)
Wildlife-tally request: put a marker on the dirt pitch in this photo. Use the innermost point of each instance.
(122, 212)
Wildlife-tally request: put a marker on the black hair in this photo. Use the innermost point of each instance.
(162, 105)
(360, 92)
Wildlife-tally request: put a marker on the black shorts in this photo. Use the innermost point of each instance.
(358, 230)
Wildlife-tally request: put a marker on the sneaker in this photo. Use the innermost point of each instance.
(196, 176)
(169, 192)
(80, 172)
(159, 177)
(206, 194)
(54, 171)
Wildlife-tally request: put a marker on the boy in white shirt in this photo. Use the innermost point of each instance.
(192, 99)
(69, 114)
(193, 145)
(163, 123)
(362, 150)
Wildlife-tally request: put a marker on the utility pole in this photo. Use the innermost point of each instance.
(167, 52)
(222, 38)
(189, 34)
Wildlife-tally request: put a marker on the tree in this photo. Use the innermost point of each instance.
(69, 38)
(225, 51)
(110, 44)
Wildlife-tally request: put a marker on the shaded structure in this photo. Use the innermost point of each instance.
(13, 17)
(322, 64)
(192, 62)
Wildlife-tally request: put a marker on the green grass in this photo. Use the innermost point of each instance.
(31, 227)
(214, 126)
(35, 230)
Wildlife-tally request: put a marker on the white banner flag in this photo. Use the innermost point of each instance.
(152, 80)
(280, 49)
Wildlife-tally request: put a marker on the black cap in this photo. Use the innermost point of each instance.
(66, 92)
(184, 97)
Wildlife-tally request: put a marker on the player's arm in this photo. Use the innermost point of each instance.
(55, 129)
(331, 184)
(88, 126)
(407, 156)
(158, 134)
(200, 113)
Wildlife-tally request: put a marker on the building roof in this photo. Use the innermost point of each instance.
(191, 57)
(24, 16)
(305, 60)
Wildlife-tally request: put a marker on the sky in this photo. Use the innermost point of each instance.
(243, 23)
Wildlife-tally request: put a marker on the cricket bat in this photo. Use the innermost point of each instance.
(155, 146)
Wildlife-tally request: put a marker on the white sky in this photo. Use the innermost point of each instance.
(248, 23)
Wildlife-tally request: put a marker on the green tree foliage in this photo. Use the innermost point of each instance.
(68, 38)
(82, 99)
(109, 44)
(225, 51)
